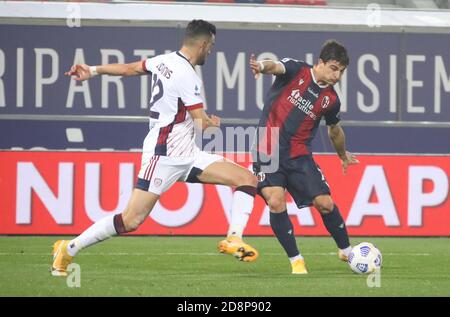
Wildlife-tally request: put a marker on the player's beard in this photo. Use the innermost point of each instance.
(201, 61)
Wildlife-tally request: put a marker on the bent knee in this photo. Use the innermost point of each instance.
(276, 204)
(324, 204)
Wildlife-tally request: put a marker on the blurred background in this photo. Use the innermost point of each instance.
(395, 98)
(396, 86)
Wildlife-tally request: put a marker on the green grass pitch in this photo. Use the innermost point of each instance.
(190, 266)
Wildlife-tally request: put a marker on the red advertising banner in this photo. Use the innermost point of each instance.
(65, 192)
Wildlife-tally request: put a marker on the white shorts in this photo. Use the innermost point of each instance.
(159, 173)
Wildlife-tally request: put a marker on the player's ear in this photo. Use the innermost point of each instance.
(203, 43)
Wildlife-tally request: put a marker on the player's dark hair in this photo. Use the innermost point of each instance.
(197, 28)
(334, 51)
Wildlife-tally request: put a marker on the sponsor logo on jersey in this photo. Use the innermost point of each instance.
(301, 103)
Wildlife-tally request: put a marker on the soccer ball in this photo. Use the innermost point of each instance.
(365, 258)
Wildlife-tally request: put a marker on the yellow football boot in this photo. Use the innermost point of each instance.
(299, 267)
(61, 259)
(238, 248)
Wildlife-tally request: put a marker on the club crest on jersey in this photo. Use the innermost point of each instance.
(157, 182)
(325, 101)
(301, 81)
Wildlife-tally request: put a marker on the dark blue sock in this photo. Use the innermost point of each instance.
(336, 227)
(284, 231)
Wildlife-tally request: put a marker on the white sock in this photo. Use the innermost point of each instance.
(347, 250)
(241, 209)
(295, 258)
(99, 231)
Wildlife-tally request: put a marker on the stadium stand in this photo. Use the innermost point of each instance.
(395, 4)
(421, 4)
(298, 2)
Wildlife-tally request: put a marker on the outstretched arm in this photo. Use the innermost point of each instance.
(266, 66)
(83, 71)
(337, 137)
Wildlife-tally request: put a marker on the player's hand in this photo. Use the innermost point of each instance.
(214, 121)
(80, 71)
(350, 159)
(255, 67)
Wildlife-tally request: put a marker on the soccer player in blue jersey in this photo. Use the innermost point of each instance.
(300, 96)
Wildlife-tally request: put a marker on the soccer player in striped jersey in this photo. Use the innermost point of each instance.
(300, 96)
(169, 151)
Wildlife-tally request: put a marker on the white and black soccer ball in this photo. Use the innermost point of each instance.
(365, 258)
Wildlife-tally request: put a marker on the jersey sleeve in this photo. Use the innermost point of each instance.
(291, 66)
(333, 116)
(146, 65)
(190, 93)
